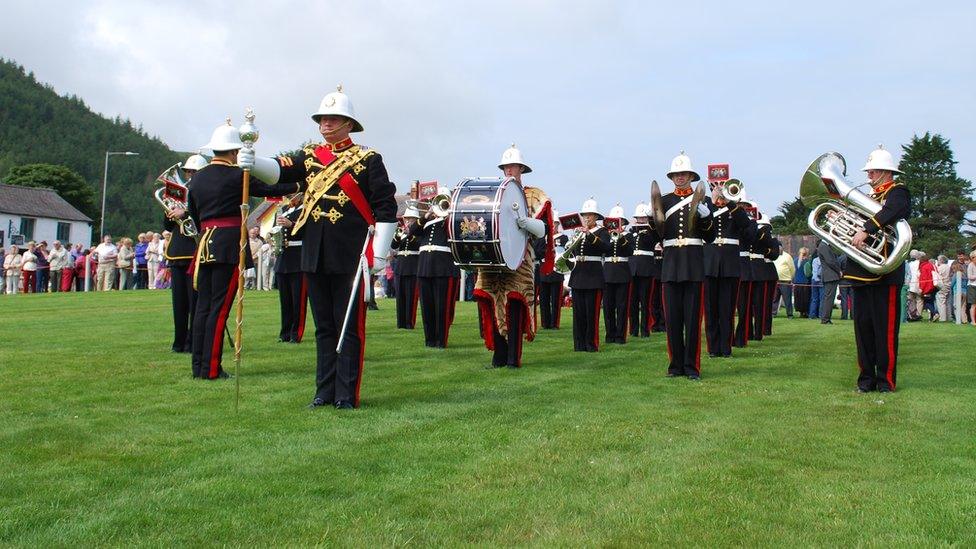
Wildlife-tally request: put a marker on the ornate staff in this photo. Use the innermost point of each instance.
(249, 135)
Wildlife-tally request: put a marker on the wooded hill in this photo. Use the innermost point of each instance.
(39, 126)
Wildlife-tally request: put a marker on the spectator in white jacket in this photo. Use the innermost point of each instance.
(913, 302)
(11, 269)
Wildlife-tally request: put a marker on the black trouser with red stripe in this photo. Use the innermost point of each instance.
(875, 313)
(437, 301)
(616, 303)
(720, 296)
(683, 312)
(184, 299)
(658, 322)
(508, 350)
(641, 318)
(759, 305)
(292, 296)
(408, 293)
(337, 376)
(586, 319)
(216, 288)
(768, 307)
(550, 303)
(743, 327)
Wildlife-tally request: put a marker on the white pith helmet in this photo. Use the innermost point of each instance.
(195, 162)
(225, 138)
(640, 210)
(618, 212)
(881, 159)
(444, 190)
(682, 163)
(764, 219)
(590, 207)
(412, 212)
(514, 156)
(338, 104)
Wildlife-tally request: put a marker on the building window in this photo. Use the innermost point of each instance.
(27, 228)
(64, 232)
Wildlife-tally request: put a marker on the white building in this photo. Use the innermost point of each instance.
(29, 214)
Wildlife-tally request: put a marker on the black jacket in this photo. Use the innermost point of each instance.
(436, 263)
(731, 222)
(335, 230)
(290, 260)
(407, 241)
(762, 246)
(684, 263)
(588, 275)
(179, 249)
(616, 264)
(644, 239)
(216, 192)
(896, 205)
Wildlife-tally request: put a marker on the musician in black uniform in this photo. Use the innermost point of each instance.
(616, 277)
(658, 320)
(179, 256)
(722, 271)
(771, 278)
(761, 298)
(438, 277)
(552, 290)
(687, 226)
(588, 247)
(292, 288)
(349, 198)
(214, 204)
(641, 272)
(744, 308)
(875, 310)
(406, 242)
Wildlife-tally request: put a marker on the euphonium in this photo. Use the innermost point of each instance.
(565, 263)
(840, 211)
(172, 177)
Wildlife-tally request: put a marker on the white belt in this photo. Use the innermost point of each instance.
(726, 241)
(433, 248)
(615, 259)
(756, 256)
(767, 260)
(291, 243)
(589, 258)
(643, 252)
(408, 252)
(679, 242)
(744, 254)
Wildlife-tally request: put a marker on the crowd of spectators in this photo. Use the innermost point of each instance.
(811, 286)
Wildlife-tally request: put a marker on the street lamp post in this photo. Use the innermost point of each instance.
(101, 225)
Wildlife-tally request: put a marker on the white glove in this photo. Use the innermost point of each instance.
(382, 238)
(703, 211)
(535, 227)
(245, 159)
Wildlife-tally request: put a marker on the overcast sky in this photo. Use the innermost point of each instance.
(598, 95)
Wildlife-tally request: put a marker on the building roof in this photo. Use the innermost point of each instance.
(37, 202)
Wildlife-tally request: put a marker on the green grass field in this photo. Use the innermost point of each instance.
(106, 440)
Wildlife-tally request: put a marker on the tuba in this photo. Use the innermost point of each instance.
(173, 195)
(840, 211)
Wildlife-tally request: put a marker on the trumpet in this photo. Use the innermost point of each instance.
(173, 195)
(439, 205)
(840, 211)
(733, 190)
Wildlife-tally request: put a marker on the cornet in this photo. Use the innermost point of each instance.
(439, 205)
(173, 195)
(733, 190)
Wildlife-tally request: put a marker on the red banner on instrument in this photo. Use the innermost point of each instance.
(570, 221)
(612, 223)
(718, 173)
(426, 190)
(175, 191)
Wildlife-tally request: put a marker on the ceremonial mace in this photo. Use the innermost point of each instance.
(249, 134)
(362, 272)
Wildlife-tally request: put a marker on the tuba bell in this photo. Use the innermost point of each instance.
(840, 211)
(173, 195)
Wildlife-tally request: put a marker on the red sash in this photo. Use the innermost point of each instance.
(349, 186)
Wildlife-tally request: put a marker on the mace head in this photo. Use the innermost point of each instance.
(249, 132)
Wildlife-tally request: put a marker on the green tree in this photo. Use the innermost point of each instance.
(941, 199)
(65, 181)
(792, 218)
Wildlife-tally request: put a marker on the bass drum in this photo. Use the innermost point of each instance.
(483, 223)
